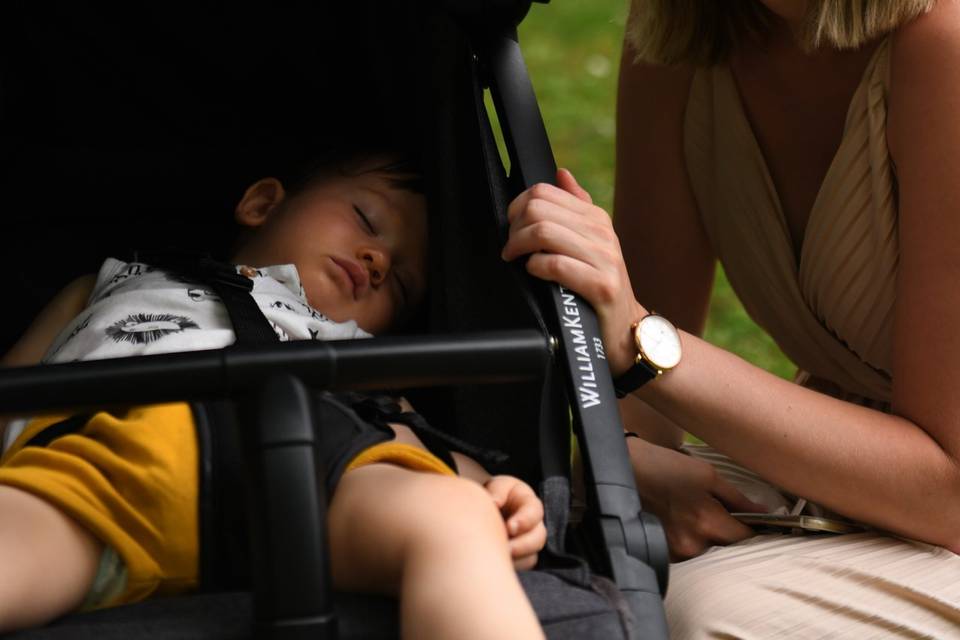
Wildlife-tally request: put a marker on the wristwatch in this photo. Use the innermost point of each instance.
(658, 350)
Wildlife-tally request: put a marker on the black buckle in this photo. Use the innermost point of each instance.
(196, 265)
(224, 273)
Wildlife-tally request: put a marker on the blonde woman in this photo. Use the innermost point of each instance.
(813, 148)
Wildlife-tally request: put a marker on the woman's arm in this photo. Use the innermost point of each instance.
(656, 217)
(671, 268)
(900, 471)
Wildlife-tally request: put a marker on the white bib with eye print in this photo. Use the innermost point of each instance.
(136, 309)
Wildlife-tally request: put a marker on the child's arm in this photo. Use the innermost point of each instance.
(63, 308)
(31, 346)
(520, 506)
(522, 510)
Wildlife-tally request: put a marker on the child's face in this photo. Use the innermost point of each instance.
(358, 241)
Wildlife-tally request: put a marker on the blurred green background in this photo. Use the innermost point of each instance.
(572, 49)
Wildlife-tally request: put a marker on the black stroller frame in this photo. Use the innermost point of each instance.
(292, 596)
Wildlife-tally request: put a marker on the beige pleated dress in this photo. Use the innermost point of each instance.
(831, 311)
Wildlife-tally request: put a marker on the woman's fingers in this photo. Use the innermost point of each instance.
(708, 525)
(556, 195)
(568, 183)
(735, 502)
(572, 242)
(548, 229)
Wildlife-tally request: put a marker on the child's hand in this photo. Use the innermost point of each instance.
(523, 516)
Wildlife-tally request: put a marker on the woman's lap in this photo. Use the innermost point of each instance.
(863, 585)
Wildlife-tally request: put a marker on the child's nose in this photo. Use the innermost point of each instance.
(377, 263)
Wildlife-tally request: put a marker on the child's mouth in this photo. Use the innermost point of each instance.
(354, 277)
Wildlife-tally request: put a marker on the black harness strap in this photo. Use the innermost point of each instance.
(73, 424)
(382, 410)
(249, 324)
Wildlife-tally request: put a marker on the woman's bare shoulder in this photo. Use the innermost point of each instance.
(924, 80)
(661, 88)
(929, 43)
(65, 306)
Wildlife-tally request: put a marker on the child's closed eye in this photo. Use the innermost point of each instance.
(365, 221)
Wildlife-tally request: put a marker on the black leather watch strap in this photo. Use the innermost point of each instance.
(633, 378)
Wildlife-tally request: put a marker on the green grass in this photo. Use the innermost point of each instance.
(572, 49)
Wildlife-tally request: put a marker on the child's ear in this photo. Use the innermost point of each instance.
(259, 201)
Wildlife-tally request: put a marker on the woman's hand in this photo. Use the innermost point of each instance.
(523, 516)
(692, 501)
(572, 242)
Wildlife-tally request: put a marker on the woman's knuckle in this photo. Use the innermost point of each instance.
(607, 290)
(609, 254)
(540, 191)
(708, 475)
(541, 231)
(686, 546)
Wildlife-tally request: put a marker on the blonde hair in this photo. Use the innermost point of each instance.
(705, 31)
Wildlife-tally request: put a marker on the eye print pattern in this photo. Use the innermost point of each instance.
(144, 328)
(199, 295)
(280, 304)
(131, 270)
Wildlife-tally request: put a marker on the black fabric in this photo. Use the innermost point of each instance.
(566, 613)
(440, 443)
(342, 433)
(224, 538)
(224, 529)
(472, 288)
(73, 424)
(142, 124)
(382, 410)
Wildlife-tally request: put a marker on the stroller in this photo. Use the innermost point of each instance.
(130, 125)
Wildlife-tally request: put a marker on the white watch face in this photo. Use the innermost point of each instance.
(659, 342)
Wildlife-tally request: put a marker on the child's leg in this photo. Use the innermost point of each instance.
(439, 543)
(47, 561)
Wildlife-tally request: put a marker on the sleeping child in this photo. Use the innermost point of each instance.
(108, 515)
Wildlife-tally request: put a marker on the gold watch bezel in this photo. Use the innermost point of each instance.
(642, 355)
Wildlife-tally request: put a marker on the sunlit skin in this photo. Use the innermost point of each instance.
(658, 256)
(358, 241)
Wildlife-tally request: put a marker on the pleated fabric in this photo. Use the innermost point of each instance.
(830, 309)
(852, 587)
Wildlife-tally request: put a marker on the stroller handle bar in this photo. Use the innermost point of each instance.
(394, 362)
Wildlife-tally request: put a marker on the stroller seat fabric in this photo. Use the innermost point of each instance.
(138, 126)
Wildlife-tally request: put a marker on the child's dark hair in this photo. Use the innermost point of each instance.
(400, 162)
